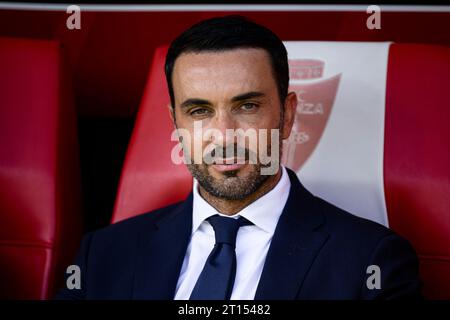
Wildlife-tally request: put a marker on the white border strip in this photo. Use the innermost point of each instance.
(212, 7)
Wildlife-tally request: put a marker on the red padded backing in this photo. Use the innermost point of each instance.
(39, 172)
(110, 53)
(417, 157)
(149, 179)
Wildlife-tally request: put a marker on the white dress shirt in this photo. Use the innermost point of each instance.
(252, 242)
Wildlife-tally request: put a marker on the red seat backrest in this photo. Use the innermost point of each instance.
(417, 157)
(39, 172)
(149, 179)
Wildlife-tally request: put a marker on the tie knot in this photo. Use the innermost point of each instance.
(226, 229)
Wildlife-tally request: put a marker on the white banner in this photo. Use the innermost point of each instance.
(337, 143)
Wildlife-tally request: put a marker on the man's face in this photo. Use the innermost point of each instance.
(233, 89)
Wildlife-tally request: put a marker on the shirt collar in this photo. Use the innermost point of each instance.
(263, 213)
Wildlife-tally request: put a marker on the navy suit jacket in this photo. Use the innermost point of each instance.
(318, 251)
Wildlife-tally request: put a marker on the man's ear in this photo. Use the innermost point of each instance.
(290, 109)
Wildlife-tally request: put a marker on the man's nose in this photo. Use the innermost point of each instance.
(221, 122)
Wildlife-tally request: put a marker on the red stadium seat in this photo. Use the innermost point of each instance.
(39, 170)
(416, 156)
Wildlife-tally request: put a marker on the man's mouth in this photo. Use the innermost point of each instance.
(229, 165)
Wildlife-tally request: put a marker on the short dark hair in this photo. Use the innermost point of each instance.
(226, 33)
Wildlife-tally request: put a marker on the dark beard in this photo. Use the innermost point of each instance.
(231, 187)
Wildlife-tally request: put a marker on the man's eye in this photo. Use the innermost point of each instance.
(248, 106)
(199, 112)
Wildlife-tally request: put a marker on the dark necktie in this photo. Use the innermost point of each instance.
(217, 278)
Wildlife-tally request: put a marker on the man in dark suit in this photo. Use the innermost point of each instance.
(249, 229)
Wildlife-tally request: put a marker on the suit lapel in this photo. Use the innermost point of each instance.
(296, 242)
(161, 253)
